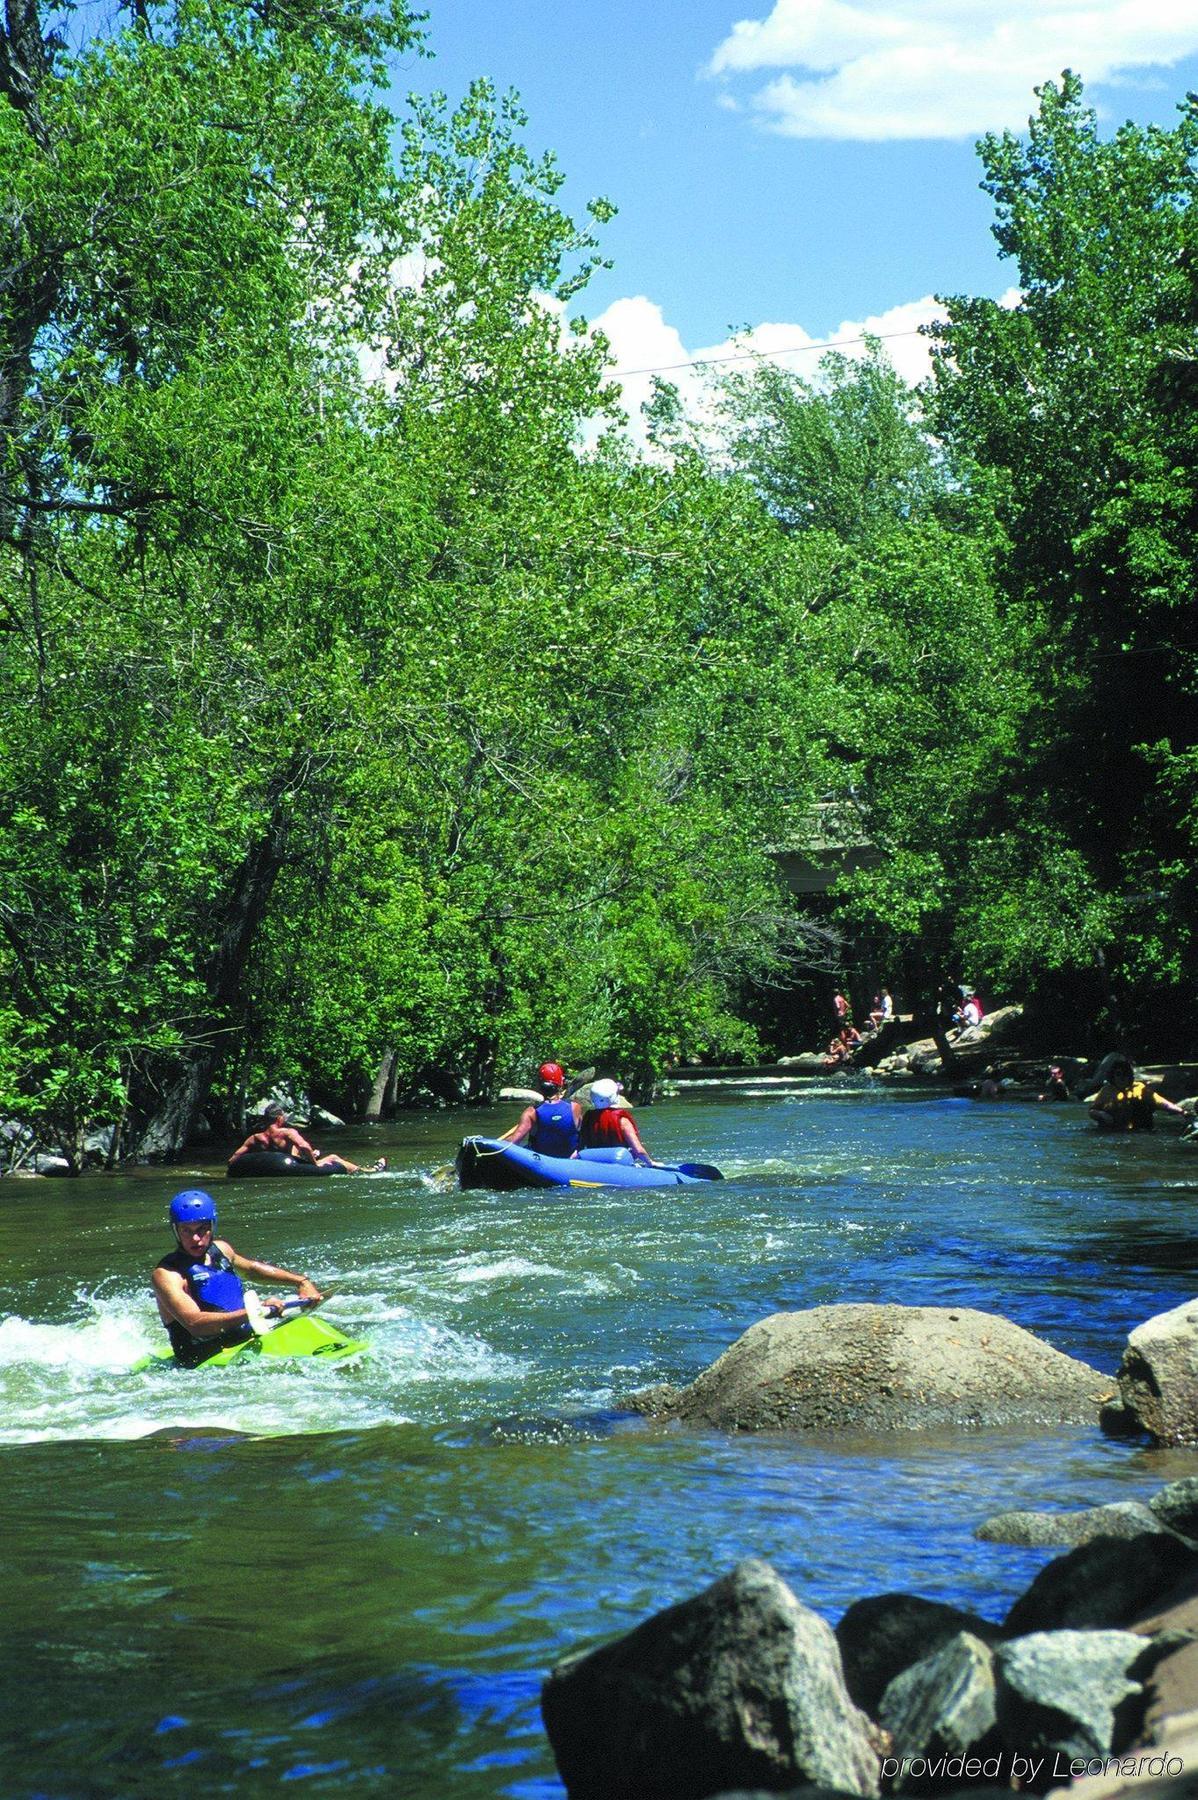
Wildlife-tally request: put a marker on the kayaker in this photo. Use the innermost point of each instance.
(198, 1286)
(277, 1134)
(610, 1124)
(551, 1127)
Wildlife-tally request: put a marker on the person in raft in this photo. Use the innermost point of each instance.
(277, 1134)
(198, 1286)
(609, 1124)
(551, 1127)
(1123, 1103)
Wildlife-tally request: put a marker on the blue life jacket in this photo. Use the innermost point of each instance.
(554, 1132)
(215, 1286)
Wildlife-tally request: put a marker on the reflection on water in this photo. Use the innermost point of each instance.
(356, 1578)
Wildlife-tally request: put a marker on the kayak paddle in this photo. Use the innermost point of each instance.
(262, 1322)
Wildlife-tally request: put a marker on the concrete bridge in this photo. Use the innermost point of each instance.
(837, 845)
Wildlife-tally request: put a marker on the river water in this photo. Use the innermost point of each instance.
(286, 1578)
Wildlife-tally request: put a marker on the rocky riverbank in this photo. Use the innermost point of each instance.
(1089, 1681)
(897, 1052)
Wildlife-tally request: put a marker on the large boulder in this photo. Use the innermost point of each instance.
(1106, 1583)
(1158, 1376)
(1176, 1505)
(739, 1687)
(941, 1707)
(1002, 1026)
(1067, 1694)
(884, 1368)
(1120, 1519)
(884, 1634)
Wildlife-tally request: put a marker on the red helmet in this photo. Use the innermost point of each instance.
(552, 1075)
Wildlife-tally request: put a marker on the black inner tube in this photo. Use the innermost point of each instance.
(257, 1164)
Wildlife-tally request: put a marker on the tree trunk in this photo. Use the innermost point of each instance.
(948, 1061)
(384, 1083)
(165, 1103)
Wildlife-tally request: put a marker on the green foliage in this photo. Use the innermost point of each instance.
(352, 709)
(1081, 400)
(349, 708)
(845, 455)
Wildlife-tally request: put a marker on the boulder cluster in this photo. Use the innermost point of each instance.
(742, 1690)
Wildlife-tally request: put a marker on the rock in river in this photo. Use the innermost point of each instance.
(884, 1368)
(740, 1686)
(1158, 1377)
(884, 1634)
(1119, 1519)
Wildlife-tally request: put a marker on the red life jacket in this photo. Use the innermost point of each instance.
(602, 1130)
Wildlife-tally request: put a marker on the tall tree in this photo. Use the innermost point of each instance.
(182, 275)
(915, 669)
(1080, 400)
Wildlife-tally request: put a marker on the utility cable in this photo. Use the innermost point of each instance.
(704, 362)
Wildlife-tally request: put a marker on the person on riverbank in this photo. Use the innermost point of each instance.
(276, 1134)
(1125, 1103)
(610, 1124)
(551, 1127)
(841, 1047)
(882, 1010)
(198, 1287)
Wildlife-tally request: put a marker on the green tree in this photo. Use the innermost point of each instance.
(1080, 400)
(913, 671)
(845, 454)
(186, 199)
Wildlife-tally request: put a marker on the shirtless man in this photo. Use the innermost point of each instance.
(277, 1134)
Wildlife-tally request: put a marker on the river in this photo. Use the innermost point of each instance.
(296, 1578)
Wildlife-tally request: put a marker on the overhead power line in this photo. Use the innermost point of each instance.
(705, 362)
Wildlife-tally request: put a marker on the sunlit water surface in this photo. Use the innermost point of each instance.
(354, 1580)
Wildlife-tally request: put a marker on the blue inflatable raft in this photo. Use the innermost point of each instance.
(493, 1163)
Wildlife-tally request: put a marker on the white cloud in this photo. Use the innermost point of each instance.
(644, 345)
(877, 69)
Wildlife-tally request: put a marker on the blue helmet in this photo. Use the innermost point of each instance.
(193, 1207)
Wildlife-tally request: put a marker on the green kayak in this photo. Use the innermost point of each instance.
(303, 1335)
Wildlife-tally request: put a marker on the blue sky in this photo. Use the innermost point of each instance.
(800, 164)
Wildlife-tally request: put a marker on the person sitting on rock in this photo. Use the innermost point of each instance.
(842, 1046)
(1125, 1103)
(971, 1012)
(277, 1134)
